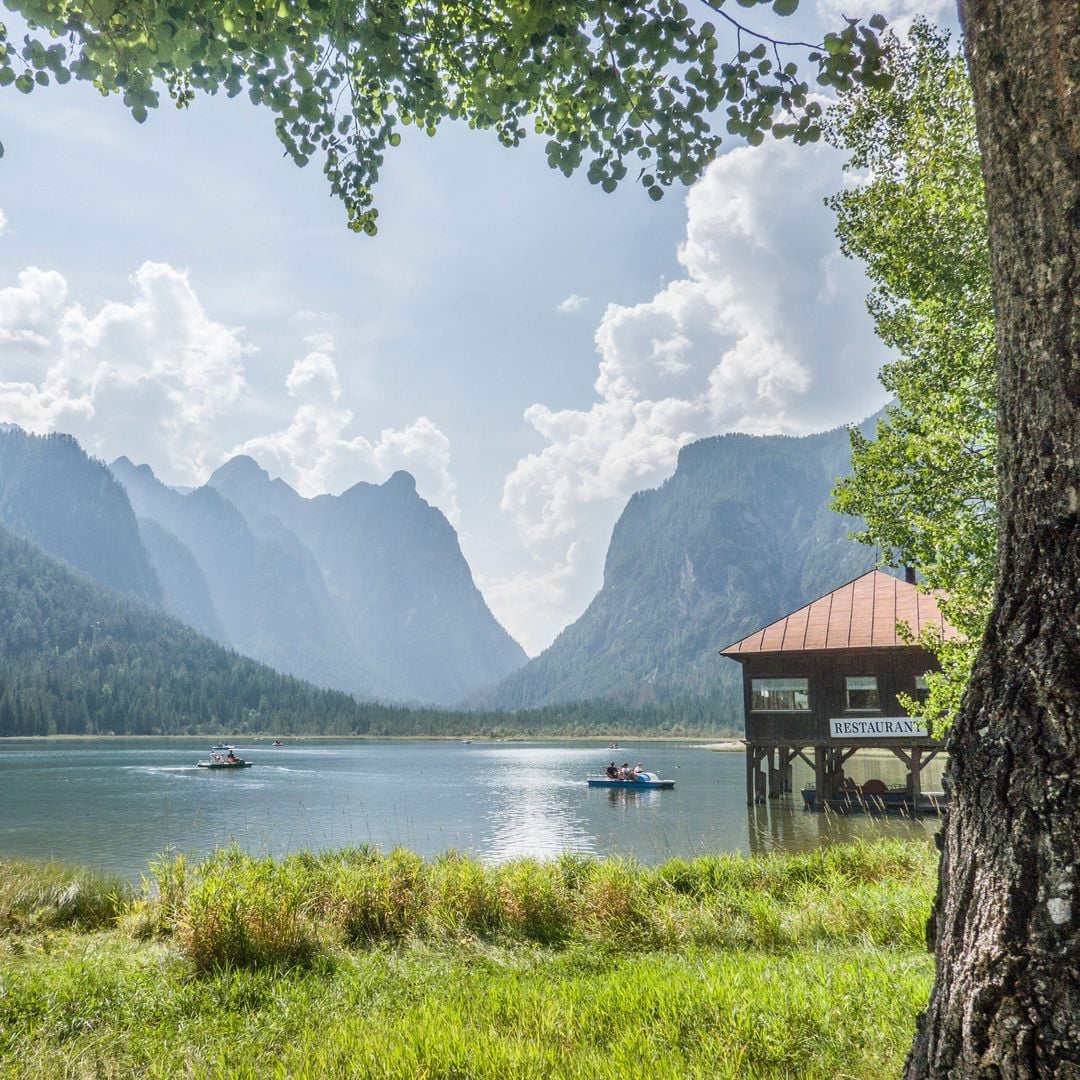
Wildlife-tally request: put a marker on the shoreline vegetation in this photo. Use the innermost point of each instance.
(359, 963)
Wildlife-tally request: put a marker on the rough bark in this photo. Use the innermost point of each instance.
(1006, 1000)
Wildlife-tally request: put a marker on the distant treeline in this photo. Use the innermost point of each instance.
(77, 658)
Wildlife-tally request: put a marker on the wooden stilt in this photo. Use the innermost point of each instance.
(787, 754)
(820, 774)
(916, 780)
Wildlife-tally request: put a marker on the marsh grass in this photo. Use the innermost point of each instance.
(237, 910)
(359, 964)
(40, 896)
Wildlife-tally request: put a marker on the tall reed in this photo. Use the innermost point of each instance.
(50, 895)
(237, 910)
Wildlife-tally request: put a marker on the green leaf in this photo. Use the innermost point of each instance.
(785, 7)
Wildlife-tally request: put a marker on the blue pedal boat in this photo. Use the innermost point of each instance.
(645, 780)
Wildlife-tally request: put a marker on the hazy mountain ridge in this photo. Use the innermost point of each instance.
(259, 586)
(739, 535)
(185, 593)
(395, 572)
(70, 505)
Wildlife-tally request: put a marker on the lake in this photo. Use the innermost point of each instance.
(114, 804)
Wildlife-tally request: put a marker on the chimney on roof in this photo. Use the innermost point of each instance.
(909, 574)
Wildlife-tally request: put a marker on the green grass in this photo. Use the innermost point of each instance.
(39, 896)
(368, 965)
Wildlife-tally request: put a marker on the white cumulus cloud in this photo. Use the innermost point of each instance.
(152, 374)
(156, 378)
(765, 331)
(317, 453)
(571, 304)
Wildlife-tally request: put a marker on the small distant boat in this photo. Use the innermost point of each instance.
(227, 760)
(278, 742)
(642, 780)
(222, 748)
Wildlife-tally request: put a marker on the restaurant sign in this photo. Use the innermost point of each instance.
(879, 727)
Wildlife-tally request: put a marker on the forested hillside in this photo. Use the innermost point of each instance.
(740, 534)
(79, 658)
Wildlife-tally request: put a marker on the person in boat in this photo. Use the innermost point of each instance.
(217, 757)
(612, 772)
(231, 759)
(625, 771)
(639, 768)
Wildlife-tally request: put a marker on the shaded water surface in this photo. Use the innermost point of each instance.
(115, 804)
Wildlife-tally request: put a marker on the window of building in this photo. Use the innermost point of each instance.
(862, 692)
(922, 691)
(779, 695)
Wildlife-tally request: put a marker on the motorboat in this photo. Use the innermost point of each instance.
(227, 760)
(641, 781)
(222, 748)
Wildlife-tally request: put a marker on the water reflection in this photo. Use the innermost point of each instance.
(783, 825)
(531, 796)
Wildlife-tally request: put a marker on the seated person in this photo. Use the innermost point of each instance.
(611, 772)
(638, 770)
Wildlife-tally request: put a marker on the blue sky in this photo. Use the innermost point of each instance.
(531, 349)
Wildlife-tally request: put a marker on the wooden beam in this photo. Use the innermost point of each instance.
(916, 781)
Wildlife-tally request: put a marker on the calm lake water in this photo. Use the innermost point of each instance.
(115, 804)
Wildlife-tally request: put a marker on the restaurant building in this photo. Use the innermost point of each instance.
(823, 682)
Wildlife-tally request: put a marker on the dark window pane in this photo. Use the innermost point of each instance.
(862, 692)
(779, 695)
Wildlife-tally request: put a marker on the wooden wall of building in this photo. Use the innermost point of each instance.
(895, 669)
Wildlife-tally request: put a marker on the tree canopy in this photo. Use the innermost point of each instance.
(926, 483)
(623, 89)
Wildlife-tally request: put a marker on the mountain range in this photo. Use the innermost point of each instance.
(368, 591)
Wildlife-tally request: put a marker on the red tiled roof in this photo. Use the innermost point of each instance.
(859, 615)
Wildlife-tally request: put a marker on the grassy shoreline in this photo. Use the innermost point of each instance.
(356, 963)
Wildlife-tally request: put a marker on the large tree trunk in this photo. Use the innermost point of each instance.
(1006, 1000)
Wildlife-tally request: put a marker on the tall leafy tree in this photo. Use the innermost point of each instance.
(625, 89)
(926, 485)
(632, 87)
